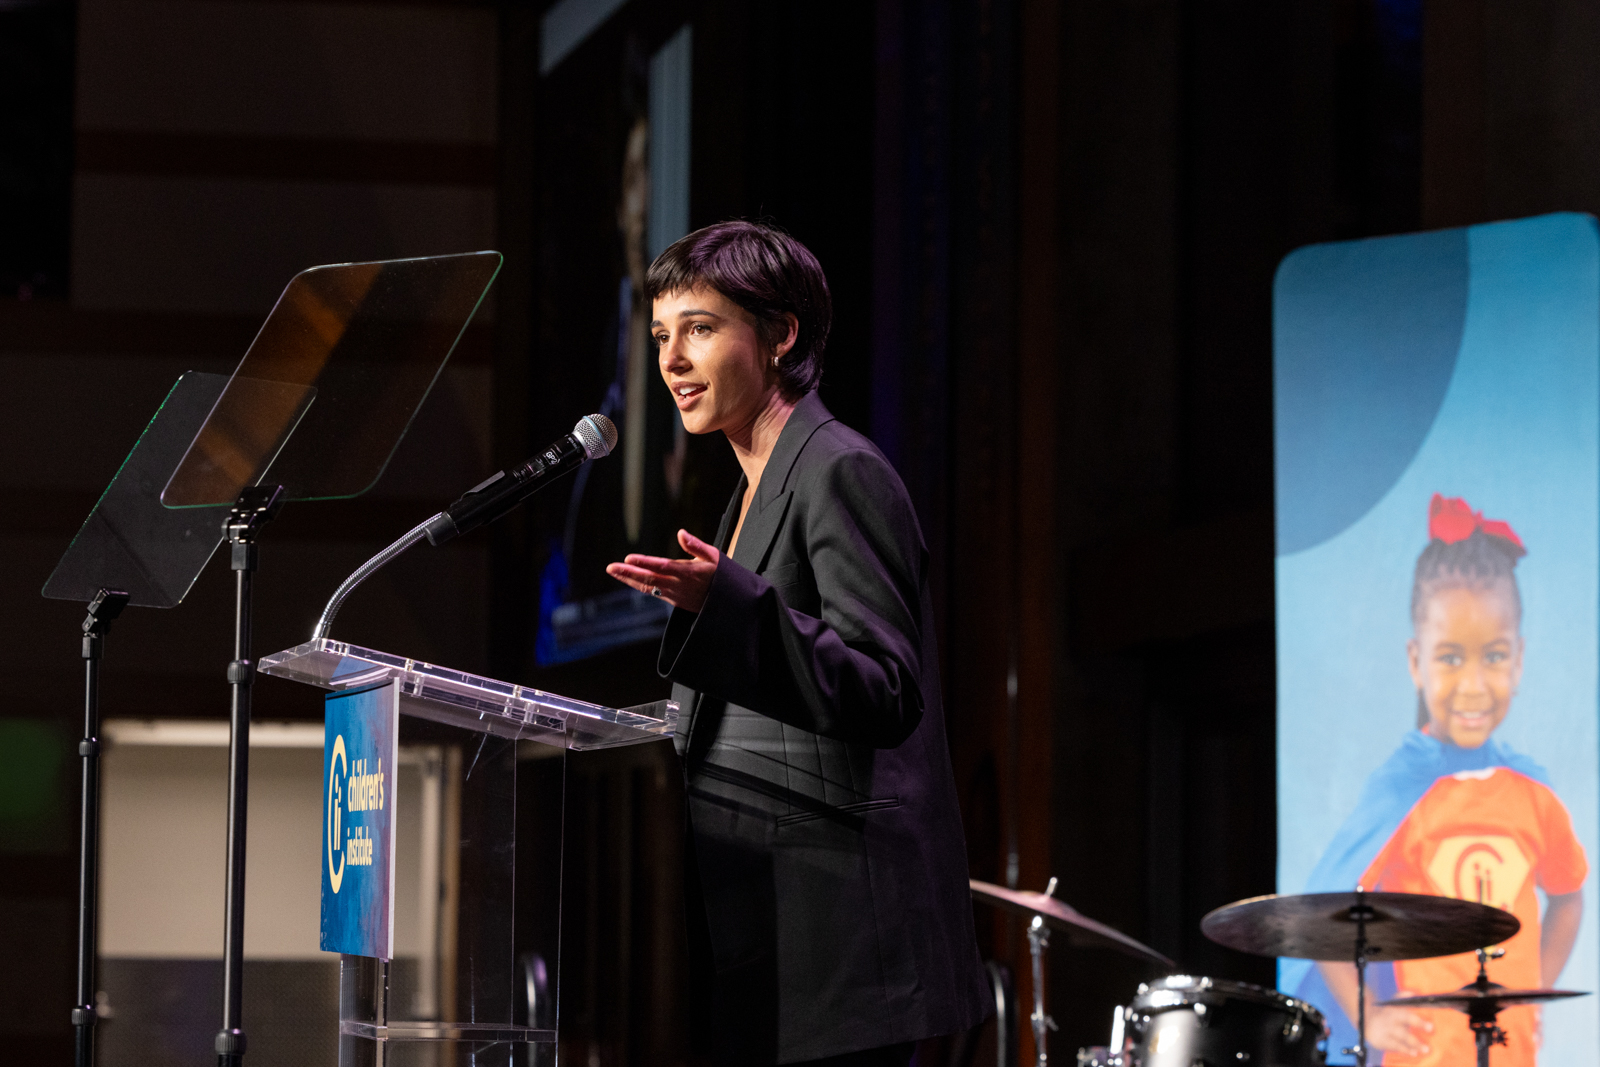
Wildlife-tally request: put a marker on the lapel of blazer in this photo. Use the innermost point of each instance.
(765, 519)
(761, 526)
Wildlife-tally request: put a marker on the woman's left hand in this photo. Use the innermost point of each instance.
(683, 583)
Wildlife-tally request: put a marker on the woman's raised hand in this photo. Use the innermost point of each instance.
(683, 583)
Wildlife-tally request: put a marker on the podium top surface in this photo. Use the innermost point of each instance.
(471, 701)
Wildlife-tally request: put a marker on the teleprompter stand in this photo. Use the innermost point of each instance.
(106, 606)
(255, 507)
(315, 410)
(129, 551)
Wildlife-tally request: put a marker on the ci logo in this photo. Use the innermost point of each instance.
(1487, 868)
(335, 808)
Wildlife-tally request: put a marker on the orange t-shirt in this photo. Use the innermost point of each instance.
(1490, 836)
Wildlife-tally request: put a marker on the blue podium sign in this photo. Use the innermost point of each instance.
(359, 751)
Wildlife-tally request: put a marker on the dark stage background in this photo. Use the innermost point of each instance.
(1051, 229)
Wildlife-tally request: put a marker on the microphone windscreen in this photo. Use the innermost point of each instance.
(597, 434)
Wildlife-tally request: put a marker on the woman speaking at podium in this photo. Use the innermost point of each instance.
(828, 911)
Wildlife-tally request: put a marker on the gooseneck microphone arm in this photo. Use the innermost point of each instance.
(365, 571)
(593, 437)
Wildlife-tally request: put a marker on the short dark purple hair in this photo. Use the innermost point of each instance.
(766, 272)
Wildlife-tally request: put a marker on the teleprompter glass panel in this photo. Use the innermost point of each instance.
(129, 541)
(325, 392)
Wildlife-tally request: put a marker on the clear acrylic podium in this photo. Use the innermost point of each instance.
(496, 994)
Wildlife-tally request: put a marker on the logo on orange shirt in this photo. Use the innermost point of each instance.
(1487, 868)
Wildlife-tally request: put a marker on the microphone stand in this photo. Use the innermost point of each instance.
(593, 437)
(365, 571)
(106, 606)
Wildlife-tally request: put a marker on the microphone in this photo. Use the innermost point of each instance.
(593, 437)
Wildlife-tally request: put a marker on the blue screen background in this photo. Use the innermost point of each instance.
(1464, 362)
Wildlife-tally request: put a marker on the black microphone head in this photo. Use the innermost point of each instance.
(597, 434)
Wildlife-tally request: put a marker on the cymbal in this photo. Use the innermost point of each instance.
(1321, 926)
(1079, 928)
(1470, 996)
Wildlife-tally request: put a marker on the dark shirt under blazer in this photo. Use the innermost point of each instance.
(821, 801)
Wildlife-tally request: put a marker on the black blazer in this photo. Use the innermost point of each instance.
(821, 802)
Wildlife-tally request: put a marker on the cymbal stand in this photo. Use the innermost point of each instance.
(1481, 1016)
(1038, 941)
(1361, 914)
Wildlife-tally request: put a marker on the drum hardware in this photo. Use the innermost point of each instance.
(1181, 1020)
(1045, 912)
(1005, 1014)
(1108, 1055)
(1362, 915)
(1483, 1000)
(1080, 930)
(1316, 926)
(1038, 941)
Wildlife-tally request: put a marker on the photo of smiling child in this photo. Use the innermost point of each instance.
(1455, 812)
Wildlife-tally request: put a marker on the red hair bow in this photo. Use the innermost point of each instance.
(1451, 519)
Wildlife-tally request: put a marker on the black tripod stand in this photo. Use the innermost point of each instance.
(106, 606)
(255, 507)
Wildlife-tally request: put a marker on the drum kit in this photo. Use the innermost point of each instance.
(1189, 1021)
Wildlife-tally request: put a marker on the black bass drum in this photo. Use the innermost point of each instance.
(1189, 1021)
